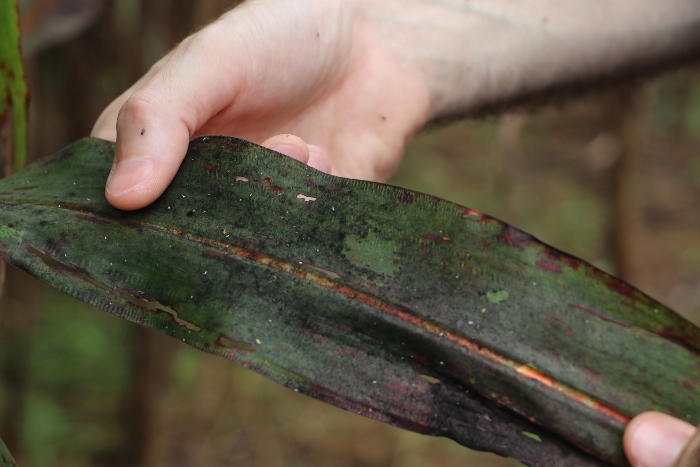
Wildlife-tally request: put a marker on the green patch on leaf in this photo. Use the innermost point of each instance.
(373, 253)
(532, 436)
(497, 296)
(430, 379)
(11, 234)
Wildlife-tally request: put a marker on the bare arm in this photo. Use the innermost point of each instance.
(483, 53)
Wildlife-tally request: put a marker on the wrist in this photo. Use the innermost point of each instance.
(482, 53)
(430, 39)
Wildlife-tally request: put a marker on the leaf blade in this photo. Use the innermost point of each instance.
(6, 459)
(355, 296)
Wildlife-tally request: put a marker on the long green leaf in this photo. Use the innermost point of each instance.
(13, 87)
(393, 304)
(6, 459)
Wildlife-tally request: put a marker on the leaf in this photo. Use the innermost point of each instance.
(393, 304)
(13, 88)
(6, 459)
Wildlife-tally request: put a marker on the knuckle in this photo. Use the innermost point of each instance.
(137, 108)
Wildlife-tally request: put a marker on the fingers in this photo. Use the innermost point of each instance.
(151, 144)
(318, 159)
(160, 114)
(296, 148)
(654, 439)
(106, 125)
(289, 145)
(155, 123)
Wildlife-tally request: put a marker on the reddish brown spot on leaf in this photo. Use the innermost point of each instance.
(223, 341)
(549, 266)
(407, 198)
(92, 219)
(437, 239)
(515, 237)
(275, 189)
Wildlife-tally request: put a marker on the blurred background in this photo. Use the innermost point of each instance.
(612, 177)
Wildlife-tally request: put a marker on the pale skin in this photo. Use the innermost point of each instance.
(356, 79)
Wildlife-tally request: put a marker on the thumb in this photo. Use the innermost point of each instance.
(654, 439)
(156, 122)
(151, 143)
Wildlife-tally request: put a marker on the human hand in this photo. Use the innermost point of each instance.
(357, 78)
(319, 69)
(653, 439)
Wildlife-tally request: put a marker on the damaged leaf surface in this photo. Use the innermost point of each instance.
(389, 303)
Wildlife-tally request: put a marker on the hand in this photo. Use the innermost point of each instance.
(357, 78)
(654, 439)
(337, 83)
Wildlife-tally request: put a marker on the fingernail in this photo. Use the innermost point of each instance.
(129, 176)
(658, 443)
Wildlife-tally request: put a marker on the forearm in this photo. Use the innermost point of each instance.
(482, 53)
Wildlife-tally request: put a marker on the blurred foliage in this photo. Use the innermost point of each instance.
(13, 92)
(79, 387)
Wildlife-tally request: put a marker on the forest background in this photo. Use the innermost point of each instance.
(612, 177)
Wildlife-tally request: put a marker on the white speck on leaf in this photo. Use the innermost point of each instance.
(305, 198)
